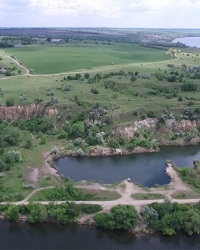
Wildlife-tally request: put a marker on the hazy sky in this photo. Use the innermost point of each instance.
(100, 13)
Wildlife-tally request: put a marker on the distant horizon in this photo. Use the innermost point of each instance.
(179, 14)
(91, 27)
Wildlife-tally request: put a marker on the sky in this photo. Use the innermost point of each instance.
(100, 13)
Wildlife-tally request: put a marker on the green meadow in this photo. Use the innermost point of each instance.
(50, 59)
(144, 94)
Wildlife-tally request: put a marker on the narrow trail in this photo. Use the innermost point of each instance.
(35, 191)
(14, 60)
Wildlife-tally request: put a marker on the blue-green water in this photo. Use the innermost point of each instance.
(146, 169)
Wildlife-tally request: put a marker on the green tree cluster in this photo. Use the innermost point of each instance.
(120, 217)
(169, 217)
(37, 213)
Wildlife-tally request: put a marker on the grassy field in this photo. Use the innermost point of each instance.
(49, 59)
(126, 95)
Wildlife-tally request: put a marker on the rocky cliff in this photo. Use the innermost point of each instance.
(151, 124)
(24, 112)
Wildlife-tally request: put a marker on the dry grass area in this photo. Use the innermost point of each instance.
(185, 195)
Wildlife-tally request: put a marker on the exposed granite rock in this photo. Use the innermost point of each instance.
(24, 112)
(151, 124)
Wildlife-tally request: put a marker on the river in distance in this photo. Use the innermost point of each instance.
(189, 41)
(49, 236)
(146, 169)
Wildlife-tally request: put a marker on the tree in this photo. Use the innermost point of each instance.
(10, 102)
(125, 217)
(87, 75)
(12, 136)
(185, 170)
(188, 87)
(77, 129)
(113, 143)
(12, 212)
(192, 222)
(120, 217)
(37, 213)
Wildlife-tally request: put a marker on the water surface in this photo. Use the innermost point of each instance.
(189, 41)
(146, 169)
(48, 236)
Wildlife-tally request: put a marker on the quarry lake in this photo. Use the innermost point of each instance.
(49, 236)
(145, 169)
(189, 41)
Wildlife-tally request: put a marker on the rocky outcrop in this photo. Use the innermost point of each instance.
(24, 112)
(129, 131)
(181, 125)
(98, 151)
(151, 124)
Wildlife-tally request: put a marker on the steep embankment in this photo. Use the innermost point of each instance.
(25, 112)
(169, 126)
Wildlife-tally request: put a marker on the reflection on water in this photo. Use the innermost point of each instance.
(48, 236)
(146, 169)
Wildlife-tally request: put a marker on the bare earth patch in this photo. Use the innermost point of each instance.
(46, 168)
(33, 175)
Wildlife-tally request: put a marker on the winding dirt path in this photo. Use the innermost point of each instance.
(21, 66)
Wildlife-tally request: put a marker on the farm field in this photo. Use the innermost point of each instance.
(50, 59)
(146, 93)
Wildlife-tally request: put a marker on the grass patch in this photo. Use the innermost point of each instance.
(95, 195)
(147, 196)
(103, 195)
(51, 59)
(185, 195)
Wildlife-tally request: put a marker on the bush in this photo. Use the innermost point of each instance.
(188, 87)
(80, 152)
(185, 170)
(113, 143)
(10, 102)
(151, 114)
(180, 99)
(133, 78)
(62, 135)
(120, 217)
(95, 91)
(12, 212)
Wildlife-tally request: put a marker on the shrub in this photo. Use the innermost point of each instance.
(120, 217)
(95, 91)
(180, 98)
(10, 102)
(62, 135)
(113, 143)
(185, 170)
(80, 152)
(188, 87)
